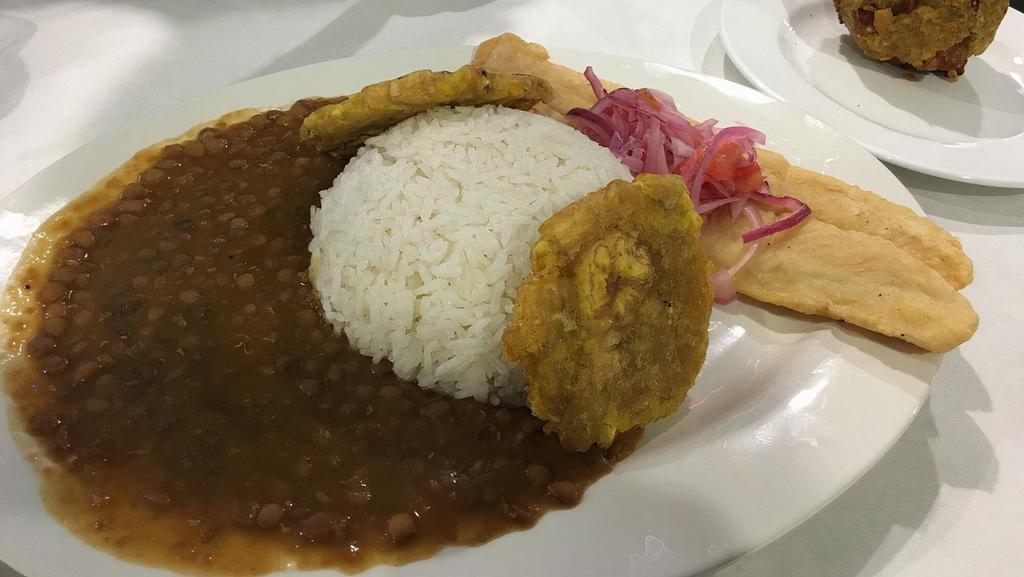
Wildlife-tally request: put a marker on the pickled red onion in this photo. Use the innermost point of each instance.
(647, 133)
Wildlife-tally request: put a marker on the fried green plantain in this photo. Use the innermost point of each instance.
(343, 127)
(611, 327)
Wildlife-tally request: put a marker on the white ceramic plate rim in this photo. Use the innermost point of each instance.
(749, 462)
(749, 33)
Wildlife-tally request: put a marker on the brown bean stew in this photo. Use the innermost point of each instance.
(203, 415)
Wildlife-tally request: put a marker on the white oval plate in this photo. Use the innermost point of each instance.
(971, 130)
(787, 413)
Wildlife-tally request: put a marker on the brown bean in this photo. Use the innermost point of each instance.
(309, 387)
(334, 372)
(152, 176)
(245, 281)
(215, 146)
(40, 345)
(55, 326)
(96, 405)
(188, 296)
(173, 150)
(538, 475)
(437, 410)
(131, 206)
(318, 528)
(488, 435)
(82, 318)
(134, 190)
(401, 526)
(194, 148)
(53, 364)
(565, 492)
(270, 515)
(390, 393)
(56, 310)
(101, 218)
(82, 237)
(359, 497)
(167, 164)
(86, 370)
(255, 210)
(52, 291)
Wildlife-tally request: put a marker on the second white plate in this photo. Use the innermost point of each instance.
(971, 130)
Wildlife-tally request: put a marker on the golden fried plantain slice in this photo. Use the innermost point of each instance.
(819, 269)
(611, 327)
(343, 127)
(852, 208)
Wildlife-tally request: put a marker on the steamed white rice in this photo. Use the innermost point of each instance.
(420, 244)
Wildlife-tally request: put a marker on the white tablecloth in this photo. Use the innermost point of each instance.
(948, 500)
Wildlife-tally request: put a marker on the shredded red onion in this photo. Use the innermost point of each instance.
(647, 133)
(721, 286)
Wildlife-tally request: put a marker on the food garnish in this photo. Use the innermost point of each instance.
(647, 133)
(611, 327)
(342, 128)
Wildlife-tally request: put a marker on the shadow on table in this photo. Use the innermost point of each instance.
(864, 528)
(354, 27)
(967, 203)
(14, 34)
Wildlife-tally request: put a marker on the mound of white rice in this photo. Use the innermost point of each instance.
(420, 245)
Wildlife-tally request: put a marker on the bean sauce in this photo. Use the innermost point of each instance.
(201, 415)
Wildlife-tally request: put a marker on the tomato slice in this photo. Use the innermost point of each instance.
(747, 178)
(727, 159)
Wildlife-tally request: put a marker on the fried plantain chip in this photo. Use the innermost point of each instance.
(343, 127)
(819, 269)
(850, 207)
(611, 327)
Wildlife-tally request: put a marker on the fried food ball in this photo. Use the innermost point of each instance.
(924, 35)
(611, 327)
(343, 127)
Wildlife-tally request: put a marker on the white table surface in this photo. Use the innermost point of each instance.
(948, 500)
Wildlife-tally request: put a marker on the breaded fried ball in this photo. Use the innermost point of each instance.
(923, 35)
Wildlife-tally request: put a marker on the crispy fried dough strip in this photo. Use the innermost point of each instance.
(852, 208)
(865, 280)
(510, 54)
(344, 126)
